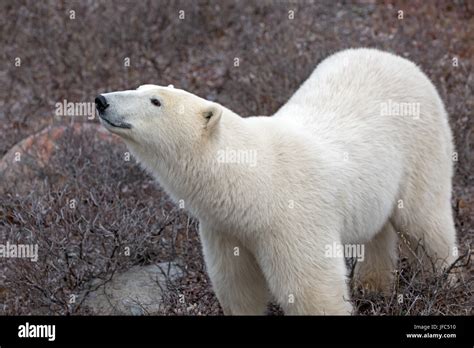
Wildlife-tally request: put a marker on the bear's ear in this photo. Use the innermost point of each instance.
(212, 114)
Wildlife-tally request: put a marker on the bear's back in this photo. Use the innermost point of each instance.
(365, 97)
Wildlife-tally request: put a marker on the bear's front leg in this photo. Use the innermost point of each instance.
(236, 278)
(301, 277)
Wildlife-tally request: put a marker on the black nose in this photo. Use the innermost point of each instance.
(101, 103)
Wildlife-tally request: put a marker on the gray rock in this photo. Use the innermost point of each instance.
(137, 291)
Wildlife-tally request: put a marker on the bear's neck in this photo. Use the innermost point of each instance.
(219, 181)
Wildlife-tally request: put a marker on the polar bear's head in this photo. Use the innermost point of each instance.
(164, 120)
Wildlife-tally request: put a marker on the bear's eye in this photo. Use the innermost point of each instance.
(155, 102)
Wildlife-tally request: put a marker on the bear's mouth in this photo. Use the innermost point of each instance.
(116, 125)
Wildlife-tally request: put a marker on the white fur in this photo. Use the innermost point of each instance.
(330, 167)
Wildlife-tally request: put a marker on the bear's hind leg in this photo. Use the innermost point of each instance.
(236, 278)
(375, 271)
(429, 235)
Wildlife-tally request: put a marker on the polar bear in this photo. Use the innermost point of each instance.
(361, 154)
